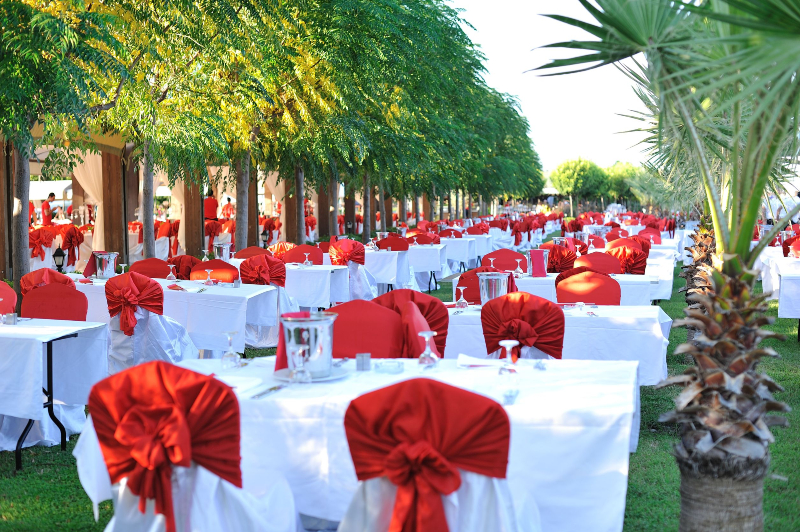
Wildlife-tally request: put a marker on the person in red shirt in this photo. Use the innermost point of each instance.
(47, 213)
(228, 210)
(210, 206)
(31, 213)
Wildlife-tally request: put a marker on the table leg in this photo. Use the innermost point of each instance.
(20, 441)
(49, 392)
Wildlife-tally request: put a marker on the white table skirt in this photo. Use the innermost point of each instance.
(318, 286)
(483, 243)
(78, 363)
(427, 258)
(387, 267)
(664, 271)
(571, 432)
(773, 267)
(638, 334)
(207, 316)
(461, 250)
(789, 301)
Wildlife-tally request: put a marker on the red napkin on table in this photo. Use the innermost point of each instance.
(176, 287)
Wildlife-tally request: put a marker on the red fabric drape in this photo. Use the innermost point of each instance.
(397, 243)
(255, 270)
(633, 261)
(645, 243)
(419, 433)
(599, 262)
(653, 235)
(136, 227)
(279, 249)
(8, 297)
(573, 244)
(221, 271)
(340, 222)
(281, 361)
(71, 240)
(534, 321)
(587, 286)
(504, 259)
(560, 258)
(367, 327)
(432, 309)
(343, 251)
(212, 229)
(269, 227)
(297, 254)
(624, 243)
(251, 251)
(55, 302)
(38, 240)
(469, 280)
(787, 244)
(450, 233)
(183, 265)
(125, 293)
(153, 268)
(156, 415)
(43, 277)
(174, 230)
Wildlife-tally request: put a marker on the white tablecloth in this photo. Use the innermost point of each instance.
(789, 301)
(773, 266)
(207, 316)
(483, 243)
(664, 271)
(638, 334)
(461, 250)
(78, 363)
(571, 432)
(427, 258)
(318, 286)
(387, 267)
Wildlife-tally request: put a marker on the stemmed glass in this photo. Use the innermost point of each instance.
(415, 242)
(171, 276)
(209, 282)
(461, 303)
(231, 358)
(491, 262)
(299, 354)
(508, 373)
(205, 255)
(428, 359)
(518, 272)
(122, 267)
(307, 262)
(591, 244)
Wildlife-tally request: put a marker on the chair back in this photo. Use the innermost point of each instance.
(183, 265)
(582, 285)
(532, 320)
(324, 246)
(152, 268)
(222, 271)
(424, 238)
(263, 269)
(560, 258)
(251, 251)
(653, 235)
(450, 233)
(597, 241)
(504, 259)
(787, 244)
(297, 254)
(8, 297)
(367, 327)
(55, 302)
(644, 242)
(573, 244)
(471, 284)
(344, 251)
(164, 230)
(599, 262)
(394, 242)
(624, 243)
(432, 309)
(43, 277)
(279, 249)
(794, 249)
(632, 261)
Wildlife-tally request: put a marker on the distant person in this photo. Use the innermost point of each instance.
(47, 212)
(210, 206)
(31, 213)
(228, 210)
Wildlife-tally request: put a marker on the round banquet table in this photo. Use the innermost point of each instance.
(572, 429)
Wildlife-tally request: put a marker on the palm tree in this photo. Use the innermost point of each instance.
(723, 81)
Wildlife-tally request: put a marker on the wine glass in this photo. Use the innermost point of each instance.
(508, 373)
(415, 242)
(205, 255)
(461, 303)
(231, 359)
(591, 245)
(171, 276)
(122, 267)
(209, 281)
(299, 354)
(491, 262)
(307, 262)
(428, 359)
(518, 271)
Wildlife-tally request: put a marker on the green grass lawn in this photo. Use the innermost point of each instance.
(47, 496)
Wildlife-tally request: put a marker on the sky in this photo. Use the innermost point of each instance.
(571, 116)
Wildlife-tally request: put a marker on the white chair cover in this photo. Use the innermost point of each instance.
(362, 283)
(162, 250)
(37, 264)
(260, 336)
(222, 238)
(481, 504)
(202, 501)
(155, 337)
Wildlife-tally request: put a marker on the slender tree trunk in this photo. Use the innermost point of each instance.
(402, 209)
(433, 204)
(148, 229)
(469, 204)
(450, 206)
(386, 221)
(459, 205)
(334, 195)
(416, 207)
(431, 211)
(367, 209)
(299, 194)
(441, 208)
(242, 192)
(20, 259)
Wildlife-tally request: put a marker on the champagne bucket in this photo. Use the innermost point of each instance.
(786, 235)
(222, 251)
(763, 230)
(106, 262)
(315, 332)
(492, 285)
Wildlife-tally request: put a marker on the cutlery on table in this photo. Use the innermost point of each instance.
(269, 391)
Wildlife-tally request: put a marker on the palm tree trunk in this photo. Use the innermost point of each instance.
(20, 260)
(299, 194)
(148, 229)
(242, 192)
(365, 234)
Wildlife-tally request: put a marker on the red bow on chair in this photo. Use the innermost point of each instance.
(38, 239)
(255, 270)
(174, 230)
(387, 437)
(212, 229)
(71, 241)
(125, 293)
(344, 251)
(156, 415)
(279, 249)
(340, 221)
(136, 227)
(531, 320)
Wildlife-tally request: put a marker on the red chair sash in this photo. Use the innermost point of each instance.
(633, 261)
(469, 280)
(153, 268)
(532, 320)
(71, 242)
(38, 240)
(645, 243)
(279, 249)
(344, 251)
(599, 262)
(221, 271)
(340, 222)
(560, 258)
(125, 293)
(418, 434)
(55, 302)
(504, 259)
(587, 286)
(269, 226)
(432, 309)
(174, 231)
(255, 270)
(367, 327)
(183, 265)
(156, 415)
(212, 229)
(43, 277)
(136, 227)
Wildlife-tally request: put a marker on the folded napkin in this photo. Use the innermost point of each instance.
(176, 287)
(449, 305)
(466, 361)
(85, 281)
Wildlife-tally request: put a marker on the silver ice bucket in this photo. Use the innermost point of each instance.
(106, 262)
(222, 251)
(786, 235)
(492, 285)
(315, 332)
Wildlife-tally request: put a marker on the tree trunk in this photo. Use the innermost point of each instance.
(468, 205)
(441, 208)
(386, 221)
(721, 504)
(402, 209)
(20, 259)
(416, 207)
(433, 205)
(242, 192)
(431, 211)
(334, 199)
(299, 194)
(148, 229)
(365, 234)
(459, 205)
